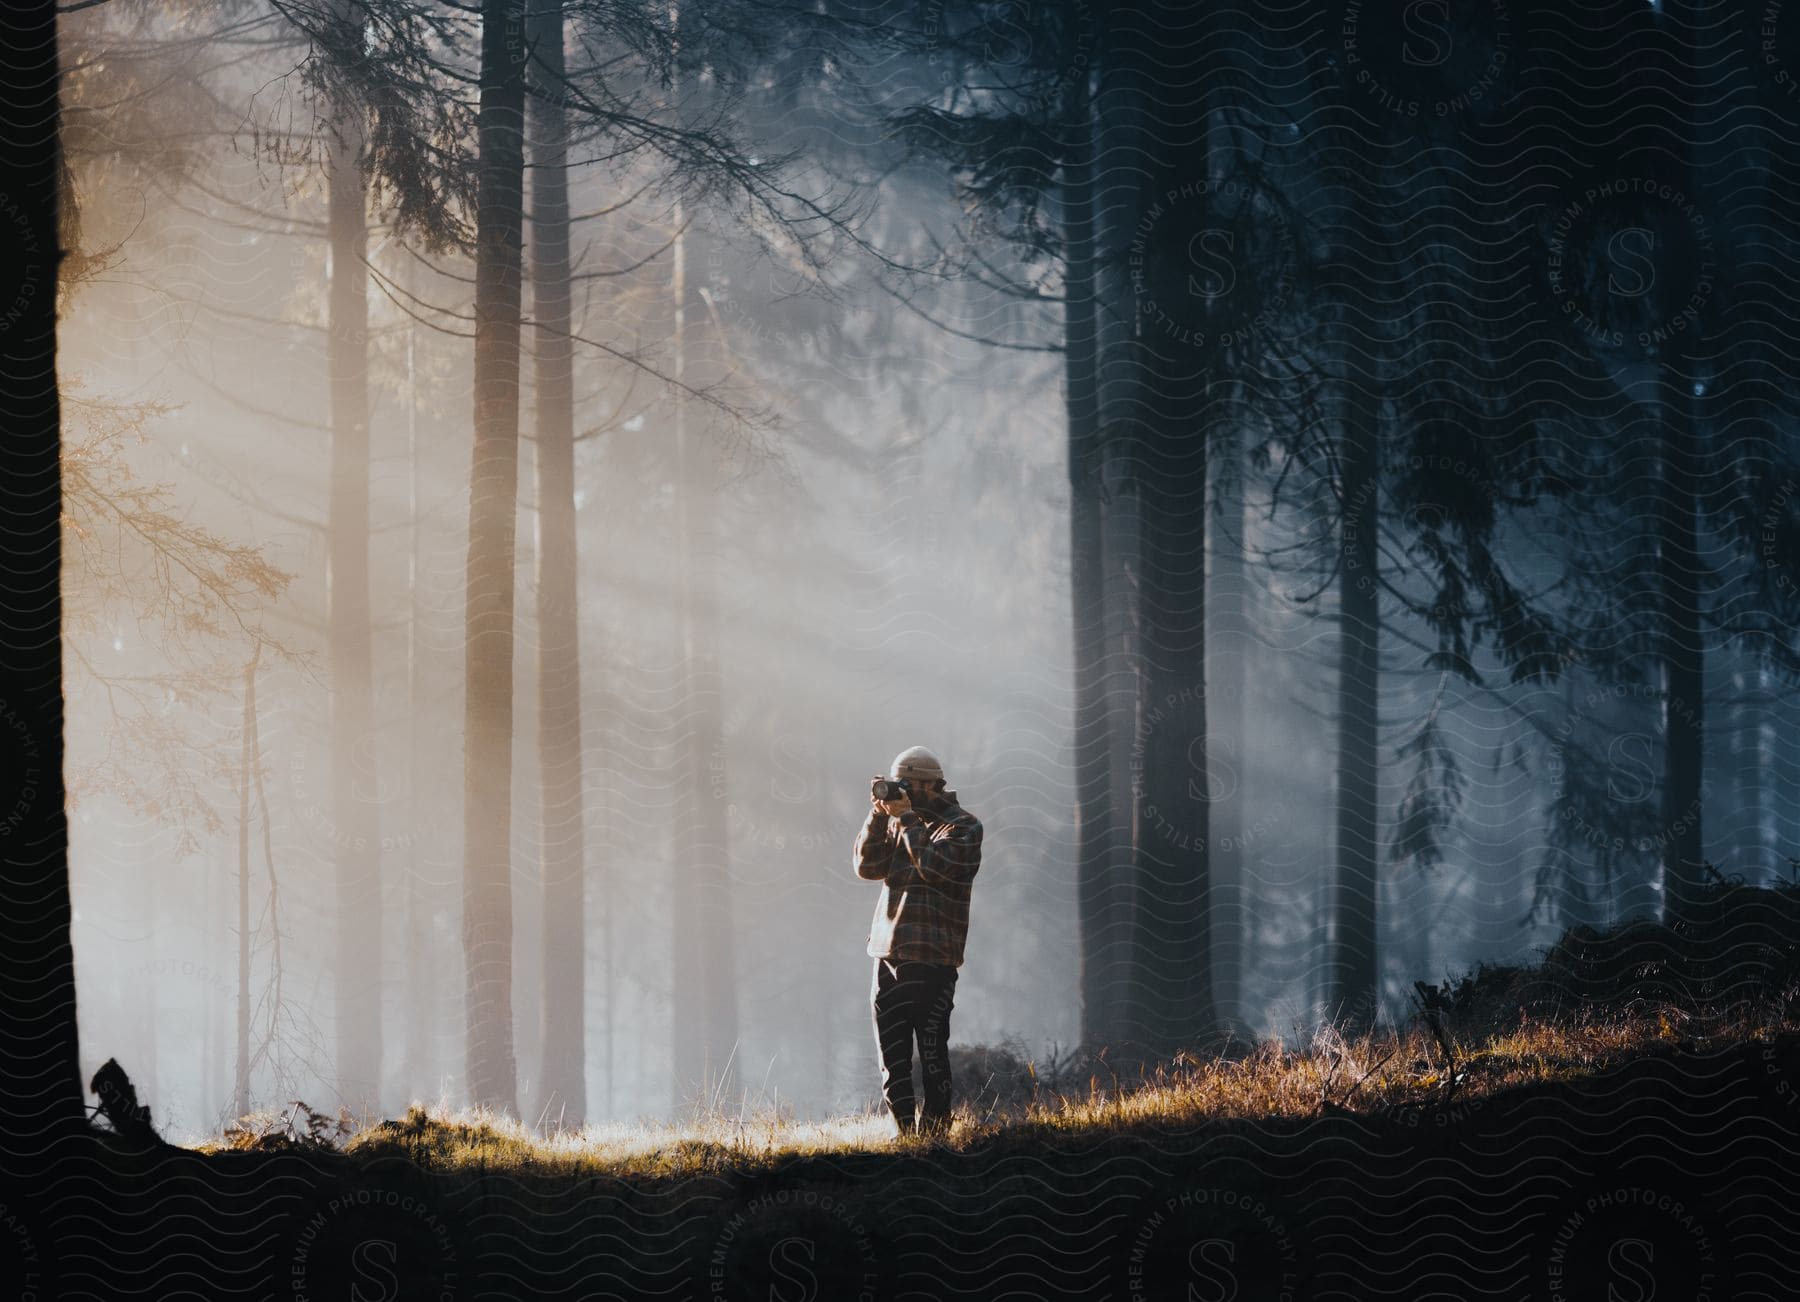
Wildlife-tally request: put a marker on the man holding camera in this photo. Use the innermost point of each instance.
(925, 849)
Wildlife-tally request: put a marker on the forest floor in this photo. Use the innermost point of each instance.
(1624, 1115)
(1597, 1003)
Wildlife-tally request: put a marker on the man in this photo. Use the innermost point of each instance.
(925, 849)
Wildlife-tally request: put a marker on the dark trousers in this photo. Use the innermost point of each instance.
(913, 1001)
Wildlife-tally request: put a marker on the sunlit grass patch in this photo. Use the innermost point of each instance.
(715, 1142)
(1377, 1075)
(1597, 1002)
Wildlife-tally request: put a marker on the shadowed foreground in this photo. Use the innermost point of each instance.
(1623, 1117)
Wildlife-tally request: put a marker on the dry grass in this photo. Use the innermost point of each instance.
(644, 1149)
(1385, 1074)
(1598, 1001)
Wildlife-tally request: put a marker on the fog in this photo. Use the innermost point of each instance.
(855, 521)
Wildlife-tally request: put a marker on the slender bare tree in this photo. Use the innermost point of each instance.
(356, 816)
(562, 1070)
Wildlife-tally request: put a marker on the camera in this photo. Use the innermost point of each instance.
(890, 788)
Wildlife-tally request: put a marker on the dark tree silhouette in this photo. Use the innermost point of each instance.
(1682, 550)
(1159, 361)
(1101, 905)
(1035, 143)
(37, 969)
(1031, 155)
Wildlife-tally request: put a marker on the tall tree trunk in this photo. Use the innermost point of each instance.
(1116, 118)
(528, 905)
(493, 522)
(608, 1000)
(1158, 421)
(1784, 780)
(1103, 904)
(1684, 654)
(705, 994)
(562, 1071)
(421, 1000)
(1227, 675)
(38, 1043)
(1123, 117)
(1113, 975)
(356, 829)
(1754, 740)
(141, 1000)
(1171, 815)
(241, 1095)
(1680, 569)
(1352, 961)
(1360, 271)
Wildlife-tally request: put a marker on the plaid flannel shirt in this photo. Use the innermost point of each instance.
(926, 861)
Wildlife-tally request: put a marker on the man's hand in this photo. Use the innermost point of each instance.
(892, 808)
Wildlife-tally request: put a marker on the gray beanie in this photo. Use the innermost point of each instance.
(917, 763)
